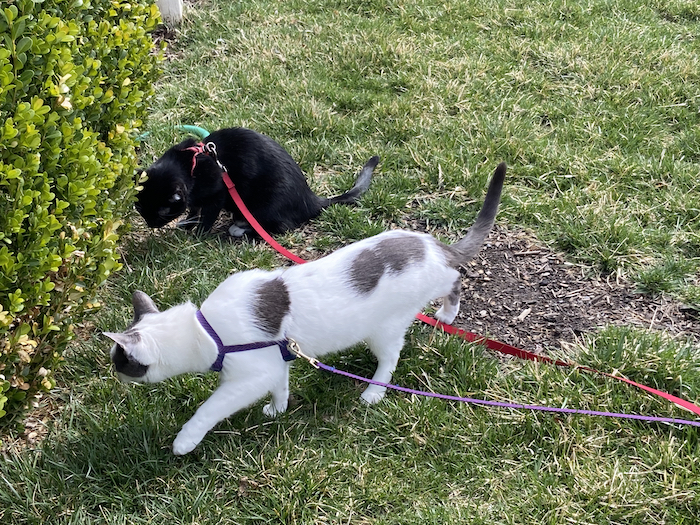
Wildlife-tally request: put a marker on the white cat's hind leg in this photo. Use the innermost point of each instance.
(386, 349)
(450, 304)
(280, 396)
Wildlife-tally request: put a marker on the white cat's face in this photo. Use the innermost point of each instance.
(157, 345)
(123, 354)
(131, 357)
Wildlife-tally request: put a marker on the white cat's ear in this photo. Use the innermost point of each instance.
(143, 304)
(125, 340)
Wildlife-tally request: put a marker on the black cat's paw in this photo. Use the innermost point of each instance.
(239, 229)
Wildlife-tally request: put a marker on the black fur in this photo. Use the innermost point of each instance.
(270, 183)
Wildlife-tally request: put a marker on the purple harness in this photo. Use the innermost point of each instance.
(223, 349)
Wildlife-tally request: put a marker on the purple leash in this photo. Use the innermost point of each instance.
(500, 404)
(289, 349)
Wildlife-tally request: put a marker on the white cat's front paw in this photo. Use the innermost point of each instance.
(183, 444)
(372, 396)
(271, 410)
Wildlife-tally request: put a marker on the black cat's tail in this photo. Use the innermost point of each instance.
(470, 245)
(361, 185)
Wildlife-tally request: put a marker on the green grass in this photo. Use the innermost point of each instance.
(593, 104)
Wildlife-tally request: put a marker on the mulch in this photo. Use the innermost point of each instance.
(522, 293)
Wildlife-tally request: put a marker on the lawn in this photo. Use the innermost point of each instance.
(594, 105)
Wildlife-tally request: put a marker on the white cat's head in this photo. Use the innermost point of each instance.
(156, 345)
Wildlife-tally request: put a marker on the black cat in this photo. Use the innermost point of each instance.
(268, 180)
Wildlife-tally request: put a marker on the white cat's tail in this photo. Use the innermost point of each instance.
(361, 185)
(470, 245)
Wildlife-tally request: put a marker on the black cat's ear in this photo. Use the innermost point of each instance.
(143, 304)
(187, 143)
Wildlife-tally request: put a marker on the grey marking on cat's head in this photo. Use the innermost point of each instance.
(123, 362)
(392, 254)
(143, 305)
(271, 305)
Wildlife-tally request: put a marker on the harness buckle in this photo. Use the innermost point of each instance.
(296, 350)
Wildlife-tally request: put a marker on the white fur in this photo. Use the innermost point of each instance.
(237, 229)
(326, 315)
(170, 10)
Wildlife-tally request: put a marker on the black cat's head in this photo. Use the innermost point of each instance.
(165, 191)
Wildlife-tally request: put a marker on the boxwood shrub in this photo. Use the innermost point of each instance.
(75, 80)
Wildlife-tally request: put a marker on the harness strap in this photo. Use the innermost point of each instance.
(198, 149)
(228, 349)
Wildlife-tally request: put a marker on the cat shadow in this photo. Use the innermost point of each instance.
(129, 435)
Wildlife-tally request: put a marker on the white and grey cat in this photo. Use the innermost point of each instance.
(368, 291)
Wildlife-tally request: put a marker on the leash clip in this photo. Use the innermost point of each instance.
(296, 350)
(210, 149)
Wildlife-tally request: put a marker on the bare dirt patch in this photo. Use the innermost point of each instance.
(522, 293)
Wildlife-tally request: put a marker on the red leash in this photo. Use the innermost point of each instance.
(467, 336)
(210, 149)
(255, 224)
(524, 354)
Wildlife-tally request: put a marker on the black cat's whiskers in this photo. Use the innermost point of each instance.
(187, 222)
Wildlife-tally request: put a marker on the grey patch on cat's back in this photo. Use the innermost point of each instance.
(271, 305)
(399, 251)
(392, 254)
(365, 271)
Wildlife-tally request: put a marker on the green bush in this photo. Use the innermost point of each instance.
(75, 79)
